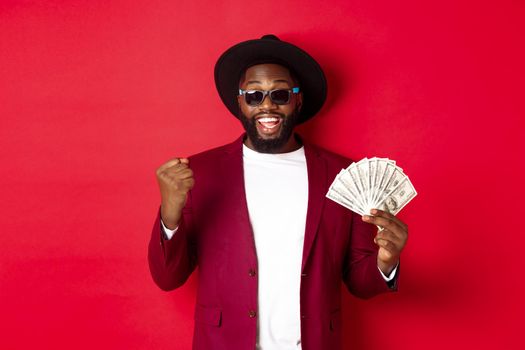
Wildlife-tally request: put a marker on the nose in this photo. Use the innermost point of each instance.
(267, 103)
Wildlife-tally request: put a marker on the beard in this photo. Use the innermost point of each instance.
(272, 145)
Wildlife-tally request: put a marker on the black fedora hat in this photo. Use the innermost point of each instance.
(269, 49)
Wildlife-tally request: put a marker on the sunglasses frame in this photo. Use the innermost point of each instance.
(294, 90)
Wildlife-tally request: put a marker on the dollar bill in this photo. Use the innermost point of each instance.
(399, 197)
(336, 197)
(372, 183)
(346, 179)
(342, 193)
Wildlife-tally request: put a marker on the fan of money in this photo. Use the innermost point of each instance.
(372, 183)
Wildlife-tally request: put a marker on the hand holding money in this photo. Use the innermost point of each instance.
(391, 239)
(175, 179)
(377, 186)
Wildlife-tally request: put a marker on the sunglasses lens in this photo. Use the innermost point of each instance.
(253, 98)
(280, 97)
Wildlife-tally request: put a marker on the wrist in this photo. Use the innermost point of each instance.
(387, 267)
(170, 216)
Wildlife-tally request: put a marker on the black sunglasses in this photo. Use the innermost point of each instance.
(277, 96)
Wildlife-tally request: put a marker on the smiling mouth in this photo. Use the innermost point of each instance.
(269, 124)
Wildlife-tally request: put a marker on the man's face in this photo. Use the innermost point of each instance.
(269, 126)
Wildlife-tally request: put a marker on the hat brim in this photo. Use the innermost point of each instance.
(236, 59)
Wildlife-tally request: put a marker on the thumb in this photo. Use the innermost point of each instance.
(184, 160)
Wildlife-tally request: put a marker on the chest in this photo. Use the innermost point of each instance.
(277, 198)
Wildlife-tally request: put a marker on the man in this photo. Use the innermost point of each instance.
(252, 215)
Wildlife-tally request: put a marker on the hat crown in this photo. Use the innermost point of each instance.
(270, 49)
(270, 37)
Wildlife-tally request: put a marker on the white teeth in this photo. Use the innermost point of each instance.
(268, 120)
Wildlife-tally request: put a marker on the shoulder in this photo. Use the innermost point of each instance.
(332, 159)
(213, 153)
(218, 156)
(219, 151)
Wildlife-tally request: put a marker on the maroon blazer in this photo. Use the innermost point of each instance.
(215, 235)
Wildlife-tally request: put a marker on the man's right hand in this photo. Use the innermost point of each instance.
(175, 179)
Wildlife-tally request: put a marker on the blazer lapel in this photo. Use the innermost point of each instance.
(316, 168)
(233, 168)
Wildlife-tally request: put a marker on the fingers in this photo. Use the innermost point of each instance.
(393, 235)
(387, 224)
(173, 162)
(175, 177)
(388, 236)
(176, 183)
(173, 166)
(392, 249)
(387, 215)
(188, 183)
(185, 173)
(179, 172)
(169, 164)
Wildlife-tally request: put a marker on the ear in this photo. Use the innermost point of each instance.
(299, 101)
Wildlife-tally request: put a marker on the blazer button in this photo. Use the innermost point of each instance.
(251, 272)
(252, 313)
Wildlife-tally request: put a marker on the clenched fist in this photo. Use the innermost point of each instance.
(175, 179)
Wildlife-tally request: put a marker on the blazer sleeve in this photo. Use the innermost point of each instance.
(172, 261)
(360, 273)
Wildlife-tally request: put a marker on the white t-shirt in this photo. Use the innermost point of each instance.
(277, 196)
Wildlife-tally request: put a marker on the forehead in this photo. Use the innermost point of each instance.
(267, 71)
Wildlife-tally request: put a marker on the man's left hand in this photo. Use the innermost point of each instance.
(391, 239)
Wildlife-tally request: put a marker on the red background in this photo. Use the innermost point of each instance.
(95, 95)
